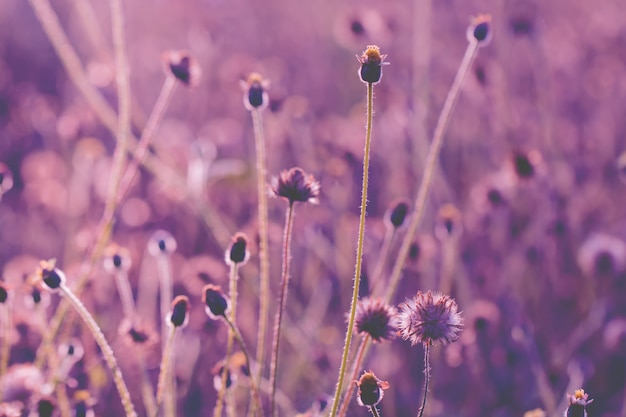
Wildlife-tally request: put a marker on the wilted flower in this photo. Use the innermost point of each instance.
(375, 318)
(578, 404)
(295, 185)
(370, 389)
(237, 252)
(371, 70)
(430, 319)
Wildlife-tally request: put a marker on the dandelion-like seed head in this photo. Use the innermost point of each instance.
(375, 318)
(295, 185)
(429, 318)
(578, 404)
(217, 304)
(371, 60)
(254, 92)
(51, 277)
(479, 30)
(237, 252)
(183, 66)
(370, 389)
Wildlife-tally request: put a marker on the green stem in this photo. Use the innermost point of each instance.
(264, 298)
(426, 377)
(107, 352)
(359, 252)
(429, 169)
(355, 371)
(284, 289)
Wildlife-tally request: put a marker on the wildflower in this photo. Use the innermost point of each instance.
(479, 30)
(376, 319)
(371, 70)
(237, 252)
(183, 66)
(370, 389)
(254, 94)
(137, 334)
(52, 278)
(525, 164)
(429, 319)
(217, 304)
(218, 371)
(578, 404)
(295, 185)
(116, 258)
(397, 213)
(45, 407)
(161, 242)
(179, 316)
(449, 222)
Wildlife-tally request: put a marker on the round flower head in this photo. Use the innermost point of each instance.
(72, 351)
(370, 390)
(430, 319)
(182, 66)
(295, 185)
(254, 94)
(116, 258)
(479, 30)
(397, 213)
(237, 252)
(217, 304)
(375, 318)
(161, 242)
(371, 70)
(179, 316)
(578, 404)
(51, 277)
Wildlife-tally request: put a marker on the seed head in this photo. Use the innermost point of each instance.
(179, 316)
(238, 252)
(161, 243)
(295, 185)
(449, 223)
(116, 258)
(479, 30)
(397, 213)
(371, 70)
(254, 94)
(217, 304)
(578, 404)
(370, 390)
(182, 66)
(429, 319)
(51, 277)
(375, 318)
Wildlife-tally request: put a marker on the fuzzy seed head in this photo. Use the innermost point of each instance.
(295, 185)
(429, 318)
(371, 60)
(479, 30)
(237, 252)
(217, 304)
(375, 318)
(370, 389)
(179, 316)
(183, 66)
(254, 94)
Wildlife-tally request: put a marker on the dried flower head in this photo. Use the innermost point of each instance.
(578, 404)
(237, 252)
(449, 223)
(179, 315)
(116, 258)
(36, 298)
(295, 185)
(217, 304)
(254, 94)
(182, 66)
(602, 255)
(371, 60)
(396, 214)
(375, 318)
(161, 242)
(370, 389)
(430, 319)
(51, 277)
(479, 30)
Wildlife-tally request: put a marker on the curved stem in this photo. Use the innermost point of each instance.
(355, 371)
(126, 294)
(264, 298)
(359, 252)
(426, 377)
(165, 367)
(429, 169)
(107, 352)
(284, 289)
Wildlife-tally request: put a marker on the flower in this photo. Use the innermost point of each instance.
(179, 316)
(397, 213)
(430, 319)
(370, 390)
(376, 319)
(4, 293)
(371, 70)
(183, 66)
(578, 404)
(479, 30)
(116, 258)
(449, 222)
(161, 242)
(295, 185)
(52, 278)
(237, 252)
(254, 94)
(217, 304)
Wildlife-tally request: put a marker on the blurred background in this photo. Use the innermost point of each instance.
(533, 252)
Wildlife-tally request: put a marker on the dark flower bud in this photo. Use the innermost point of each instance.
(449, 223)
(376, 319)
(179, 316)
(161, 243)
(4, 293)
(45, 407)
(182, 66)
(479, 30)
(371, 70)
(295, 185)
(116, 258)
(254, 94)
(578, 404)
(51, 277)
(370, 389)
(83, 406)
(217, 304)
(396, 213)
(237, 252)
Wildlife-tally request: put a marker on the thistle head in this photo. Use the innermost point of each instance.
(578, 402)
(371, 61)
(396, 214)
(370, 389)
(179, 315)
(237, 252)
(217, 304)
(376, 319)
(295, 185)
(254, 92)
(51, 277)
(161, 243)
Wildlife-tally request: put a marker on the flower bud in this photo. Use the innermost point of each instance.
(179, 316)
(479, 30)
(371, 70)
(237, 252)
(217, 304)
(370, 389)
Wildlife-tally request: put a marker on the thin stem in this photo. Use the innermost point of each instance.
(253, 385)
(126, 294)
(264, 297)
(166, 294)
(426, 377)
(355, 371)
(284, 289)
(165, 366)
(429, 169)
(107, 352)
(359, 252)
(231, 336)
(5, 340)
(385, 248)
(374, 411)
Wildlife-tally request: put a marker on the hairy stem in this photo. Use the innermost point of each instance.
(355, 371)
(165, 367)
(426, 377)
